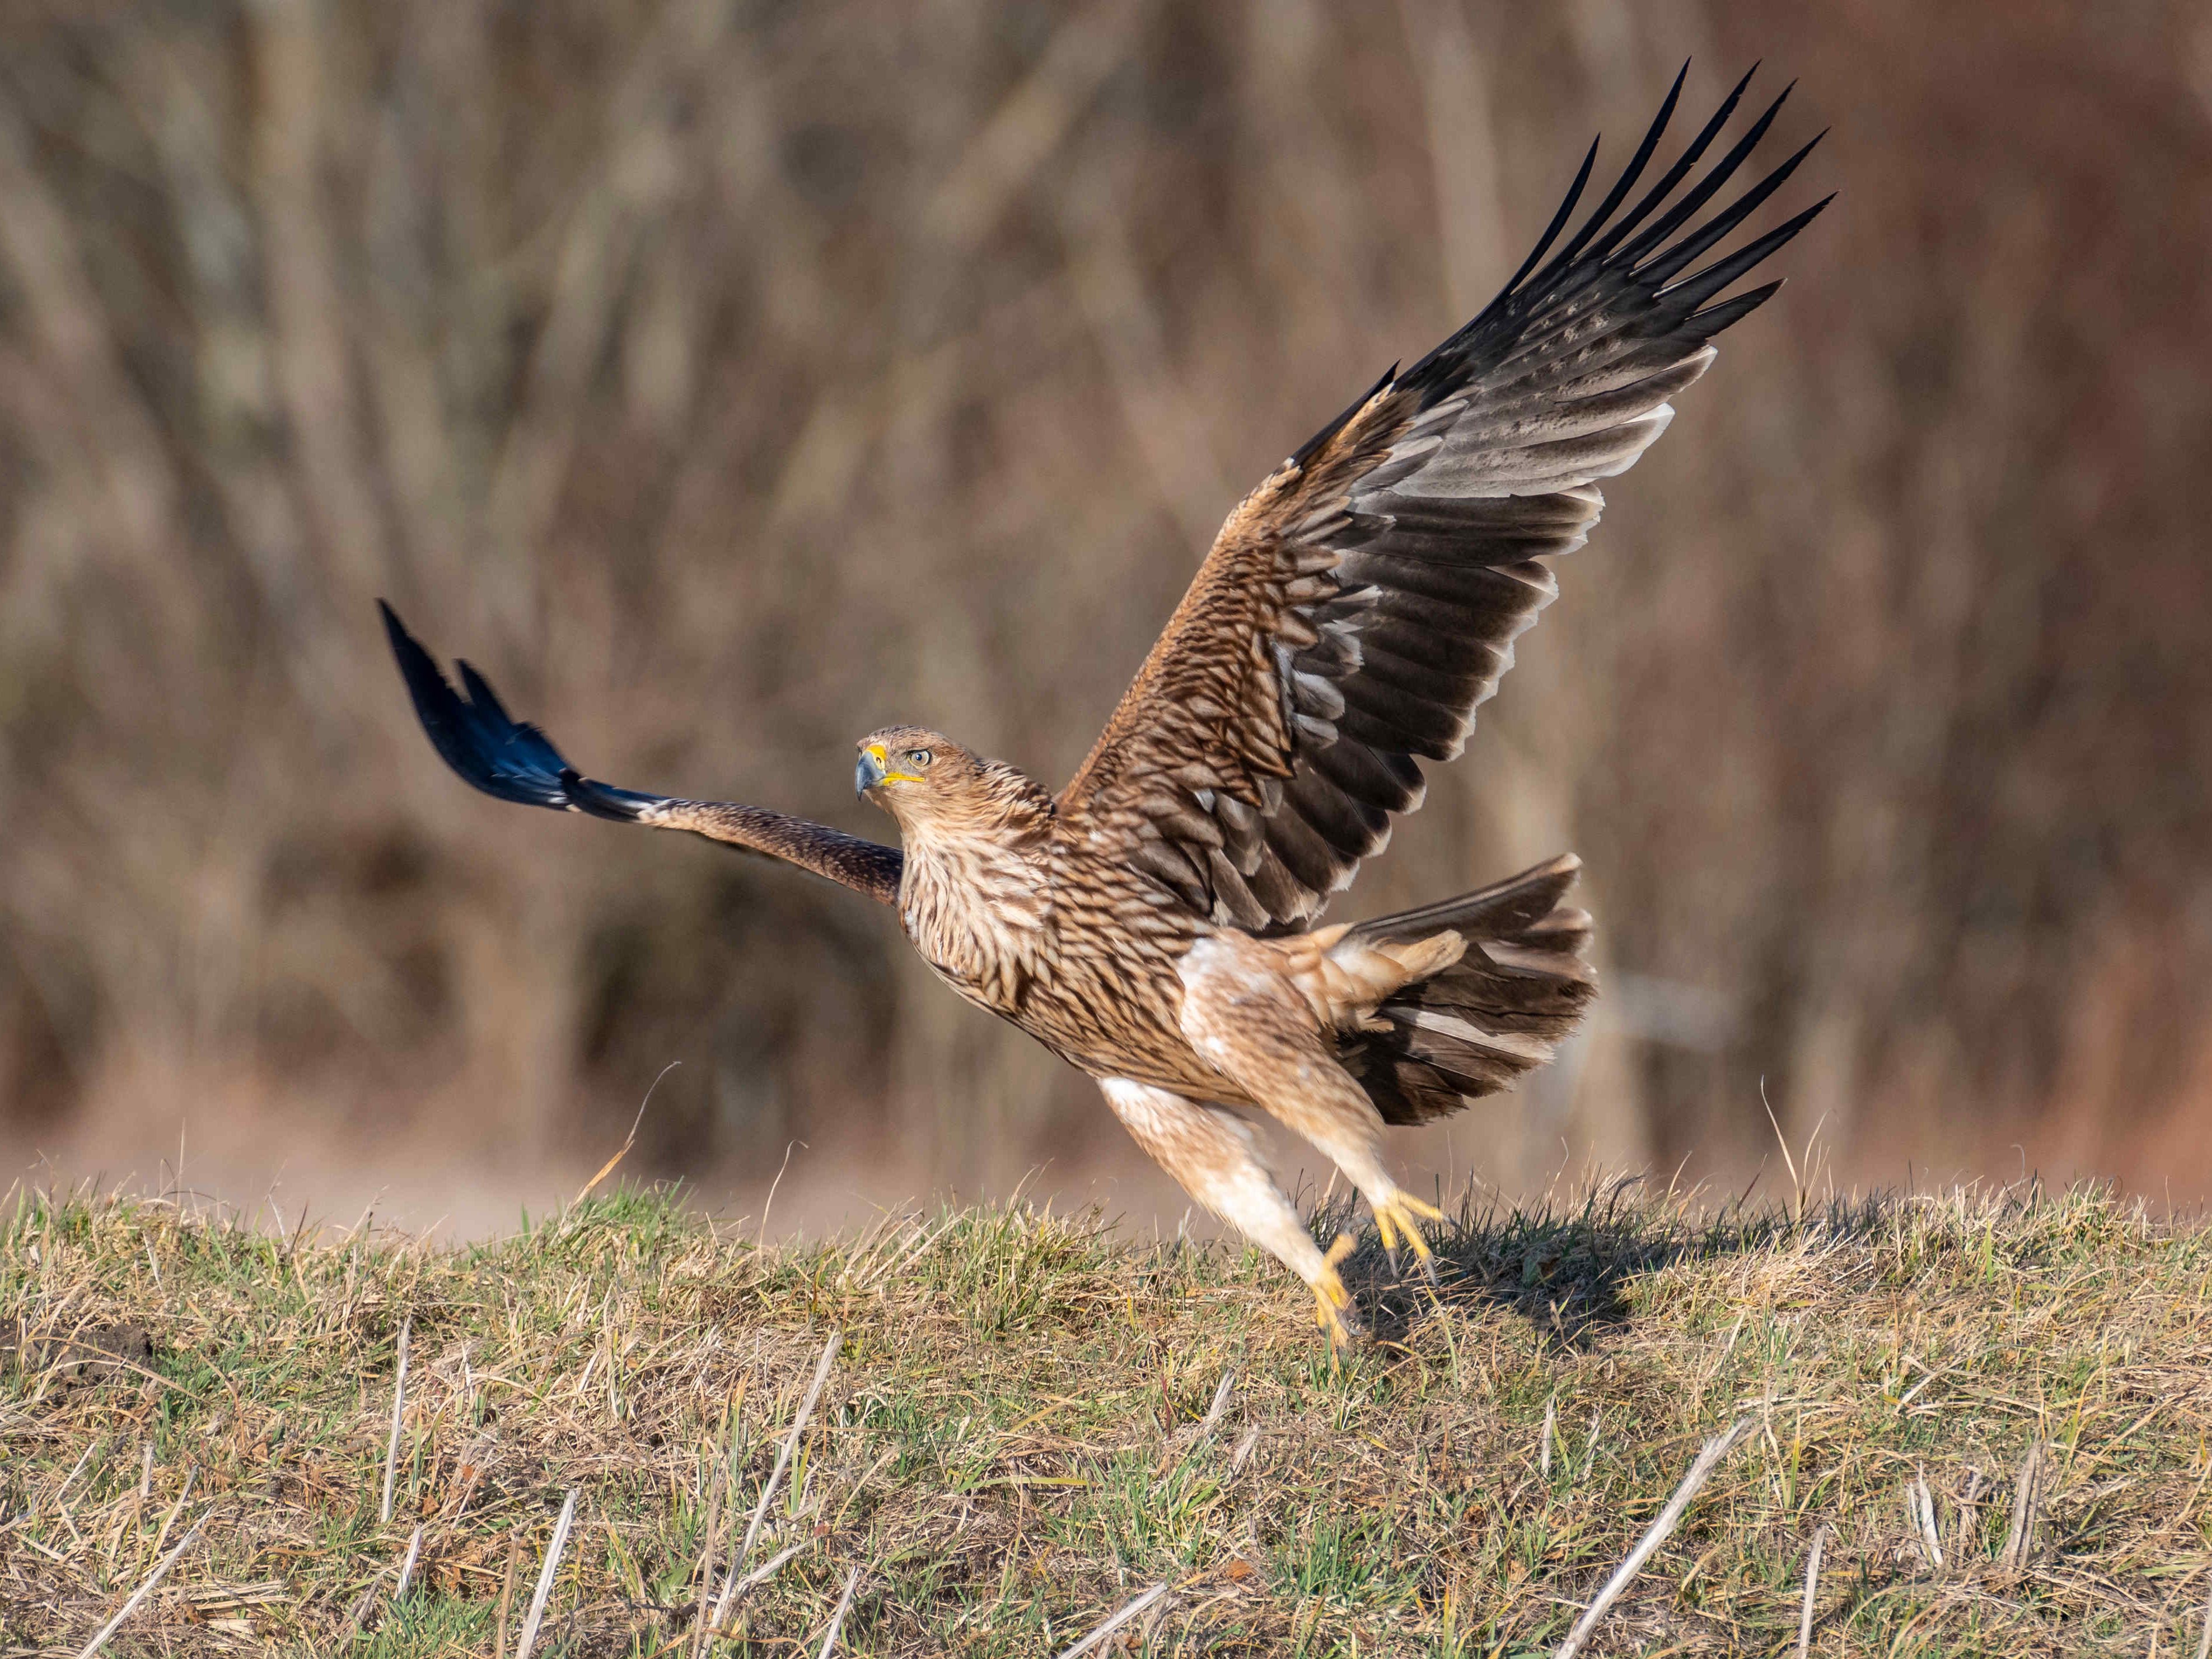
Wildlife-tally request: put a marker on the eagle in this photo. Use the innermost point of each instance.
(1157, 923)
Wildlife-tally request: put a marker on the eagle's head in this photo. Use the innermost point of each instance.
(932, 786)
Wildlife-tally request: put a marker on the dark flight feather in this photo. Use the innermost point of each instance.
(512, 759)
(1397, 554)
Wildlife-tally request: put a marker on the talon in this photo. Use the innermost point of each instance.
(1336, 1318)
(1399, 1214)
(1331, 1321)
(1387, 1232)
(1332, 1302)
(1428, 1261)
(1328, 1312)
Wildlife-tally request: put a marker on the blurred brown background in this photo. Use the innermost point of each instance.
(727, 378)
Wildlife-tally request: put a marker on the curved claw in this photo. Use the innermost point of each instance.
(1332, 1309)
(1403, 1213)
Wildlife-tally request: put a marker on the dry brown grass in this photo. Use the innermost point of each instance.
(1013, 1439)
(728, 378)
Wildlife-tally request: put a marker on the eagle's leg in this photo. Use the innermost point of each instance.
(1211, 1152)
(1245, 1013)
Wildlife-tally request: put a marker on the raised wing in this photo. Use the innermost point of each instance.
(1358, 607)
(515, 761)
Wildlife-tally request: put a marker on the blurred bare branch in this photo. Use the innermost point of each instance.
(732, 379)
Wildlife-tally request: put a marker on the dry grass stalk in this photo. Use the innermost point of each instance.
(357, 1615)
(629, 1140)
(184, 1495)
(2204, 1639)
(1551, 1433)
(1244, 1452)
(1965, 1532)
(407, 1566)
(837, 1619)
(1659, 1532)
(1214, 1412)
(472, 1467)
(776, 1478)
(872, 1240)
(61, 1505)
(399, 1405)
(2027, 1496)
(861, 1485)
(766, 1570)
(1920, 1507)
(1129, 1611)
(507, 1594)
(924, 1238)
(546, 1575)
(147, 1588)
(1812, 1589)
(719, 1482)
(69, 1480)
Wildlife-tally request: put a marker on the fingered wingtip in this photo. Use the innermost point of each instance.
(394, 629)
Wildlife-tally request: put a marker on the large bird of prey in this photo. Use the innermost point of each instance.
(1154, 922)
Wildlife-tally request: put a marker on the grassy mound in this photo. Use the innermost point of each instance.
(1016, 1436)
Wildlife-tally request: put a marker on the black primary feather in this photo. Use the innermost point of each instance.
(514, 761)
(1492, 445)
(489, 748)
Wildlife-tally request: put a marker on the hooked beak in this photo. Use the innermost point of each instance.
(869, 772)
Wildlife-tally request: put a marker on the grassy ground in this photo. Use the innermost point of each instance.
(1010, 1445)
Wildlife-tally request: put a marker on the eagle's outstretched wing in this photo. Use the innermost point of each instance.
(515, 761)
(1360, 605)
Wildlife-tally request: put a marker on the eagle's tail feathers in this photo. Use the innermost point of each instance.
(1490, 1015)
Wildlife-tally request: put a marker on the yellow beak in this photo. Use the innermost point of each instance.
(873, 769)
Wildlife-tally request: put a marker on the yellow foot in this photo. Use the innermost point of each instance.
(1333, 1310)
(1403, 1213)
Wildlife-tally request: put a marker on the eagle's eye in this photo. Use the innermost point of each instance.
(920, 757)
